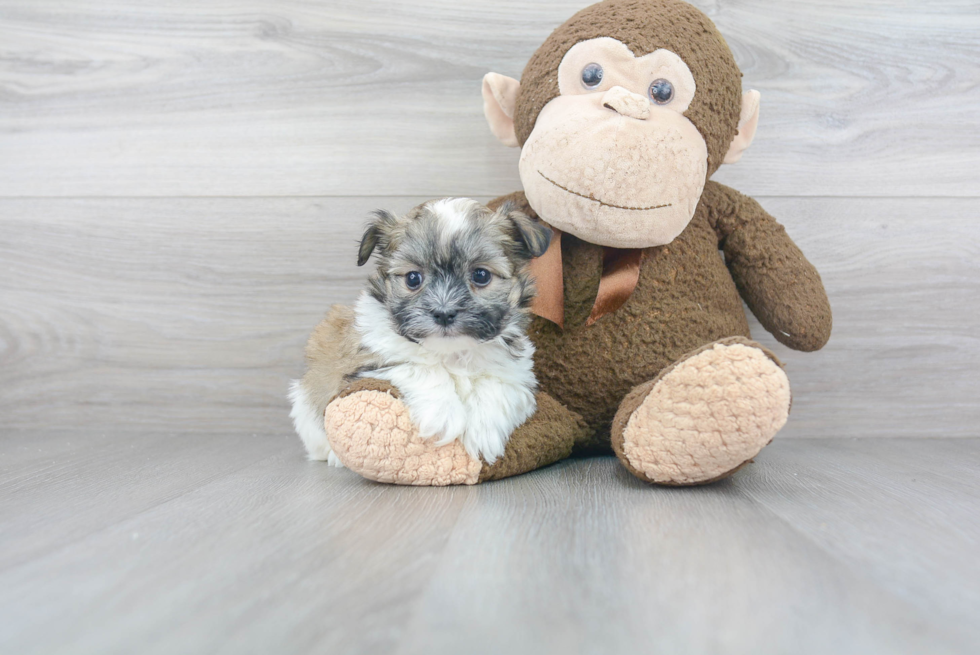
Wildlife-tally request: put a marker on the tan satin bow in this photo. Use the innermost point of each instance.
(620, 273)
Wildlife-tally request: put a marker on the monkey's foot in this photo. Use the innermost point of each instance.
(370, 431)
(704, 417)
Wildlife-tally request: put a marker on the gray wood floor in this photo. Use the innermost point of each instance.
(176, 542)
(181, 186)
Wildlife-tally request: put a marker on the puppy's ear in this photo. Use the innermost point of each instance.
(377, 233)
(532, 236)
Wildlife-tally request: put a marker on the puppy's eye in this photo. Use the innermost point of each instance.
(413, 280)
(661, 91)
(481, 277)
(592, 76)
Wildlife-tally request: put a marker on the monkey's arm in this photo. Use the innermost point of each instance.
(778, 284)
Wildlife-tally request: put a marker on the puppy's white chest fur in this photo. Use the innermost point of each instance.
(459, 388)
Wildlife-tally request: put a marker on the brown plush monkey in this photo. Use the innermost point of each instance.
(623, 114)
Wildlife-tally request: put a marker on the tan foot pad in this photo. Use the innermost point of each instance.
(707, 416)
(372, 434)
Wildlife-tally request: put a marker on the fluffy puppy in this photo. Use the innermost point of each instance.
(443, 320)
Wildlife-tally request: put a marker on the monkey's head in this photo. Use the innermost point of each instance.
(622, 115)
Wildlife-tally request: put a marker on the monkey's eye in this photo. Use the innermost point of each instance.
(481, 277)
(661, 91)
(413, 280)
(592, 76)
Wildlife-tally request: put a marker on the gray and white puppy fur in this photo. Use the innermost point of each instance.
(444, 320)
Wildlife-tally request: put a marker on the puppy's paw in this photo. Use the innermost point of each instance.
(443, 422)
(372, 433)
(494, 412)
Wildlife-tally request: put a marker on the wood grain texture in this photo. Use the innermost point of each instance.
(820, 546)
(377, 97)
(153, 315)
(868, 500)
(59, 487)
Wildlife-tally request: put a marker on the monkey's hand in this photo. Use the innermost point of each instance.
(778, 284)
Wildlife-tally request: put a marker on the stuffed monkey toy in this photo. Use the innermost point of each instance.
(642, 346)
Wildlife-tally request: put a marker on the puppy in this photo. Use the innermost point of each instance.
(443, 320)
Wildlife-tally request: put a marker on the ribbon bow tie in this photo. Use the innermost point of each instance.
(620, 273)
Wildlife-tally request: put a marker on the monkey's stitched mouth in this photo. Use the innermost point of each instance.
(601, 202)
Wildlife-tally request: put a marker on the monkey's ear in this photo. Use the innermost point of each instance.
(376, 234)
(747, 124)
(499, 103)
(532, 236)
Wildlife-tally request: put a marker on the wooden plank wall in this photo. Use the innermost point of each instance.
(182, 184)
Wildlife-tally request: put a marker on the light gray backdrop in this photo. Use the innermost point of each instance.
(182, 185)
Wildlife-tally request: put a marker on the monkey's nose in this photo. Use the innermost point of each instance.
(627, 103)
(444, 317)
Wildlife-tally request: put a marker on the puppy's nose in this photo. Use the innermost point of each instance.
(444, 317)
